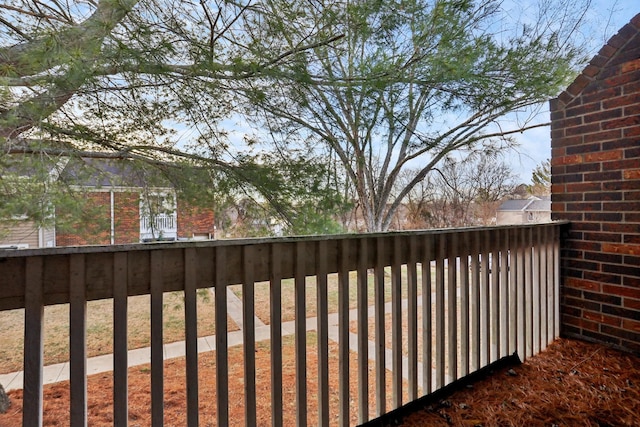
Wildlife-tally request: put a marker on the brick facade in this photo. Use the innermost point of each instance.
(95, 228)
(195, 221)
(595, 142)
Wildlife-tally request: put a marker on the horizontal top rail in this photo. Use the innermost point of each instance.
(99, 261)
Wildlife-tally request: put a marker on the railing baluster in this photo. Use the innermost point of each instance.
(276, 336)
(323, 334)
(535, 290)
(249, 336)
(528, 293)
(78, 340)
(544, 320)
(33, 342)
(513, 290)
(464, 304)
(396, 322)
(412, 318)
(452, 309)
(222, 368)
(363, 328)
(520, 283)
(475, 303)
(550, 287)
(503, 240)
(485, 302)
(157, 347)
(381, 392)
(494, 310)
(120, 346)
(343, 332)
(440, 315)
(556, 281)
(191, 334)
(427, 329)
(300, 334)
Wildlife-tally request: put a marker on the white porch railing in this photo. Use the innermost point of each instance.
(501, 297)
(158, 226)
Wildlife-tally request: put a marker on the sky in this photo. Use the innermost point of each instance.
(607, 17)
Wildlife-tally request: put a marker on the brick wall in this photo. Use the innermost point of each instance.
(595, 141)
(126, 206)
(193, 220)
(92, 228)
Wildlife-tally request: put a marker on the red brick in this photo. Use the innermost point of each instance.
(583, 109)
(583, 187)
(567, 160)
(608, 135)
(582, 284)
(627, 249)
(603, 116)
(581, 323)
(580, 130)
(631, 66)
(631, 174)
(602, 318)
(604, 155)
(623, 291)
(629, 324)
(621, 123)
(633, 304)
(621, 101)
(566, 141)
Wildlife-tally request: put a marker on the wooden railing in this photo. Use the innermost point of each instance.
(501, 297)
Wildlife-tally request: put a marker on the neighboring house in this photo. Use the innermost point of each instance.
(22, 233)
(121, 203)
(523, 211)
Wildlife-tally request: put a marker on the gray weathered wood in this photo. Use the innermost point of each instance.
(276, 335)
(77, 340)
(427, 328)
(33, 342)
(157, 344)
(475, 303)
(343, 335)
(379, 326)
(222, 360)
(363, 328)
(323, 335)
(440, 314)
(396, 324)
(191, 334)
(464, 304)
(412, 319)
(249, 337)
(452, 309)
(300, 335)
(120, 341)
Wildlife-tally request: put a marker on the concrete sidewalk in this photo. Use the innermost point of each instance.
(99, 364)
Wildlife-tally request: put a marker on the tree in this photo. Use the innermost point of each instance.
(462, 193)
(413, 82)
(129, 78)
(541, 179)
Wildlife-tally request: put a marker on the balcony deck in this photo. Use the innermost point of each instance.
(501, 297)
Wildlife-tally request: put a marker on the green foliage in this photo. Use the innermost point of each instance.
(412, 82)
(541, 179)
(30, 189)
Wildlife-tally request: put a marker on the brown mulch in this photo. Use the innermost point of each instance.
(571, 383)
